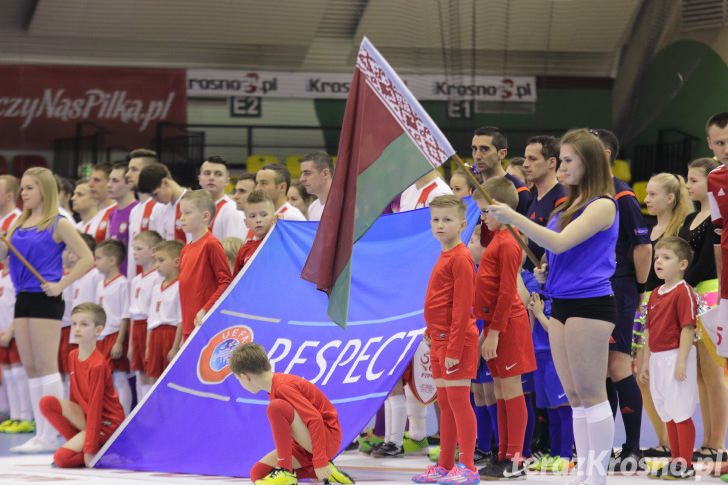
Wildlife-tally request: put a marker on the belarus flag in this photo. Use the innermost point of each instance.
(387, 142)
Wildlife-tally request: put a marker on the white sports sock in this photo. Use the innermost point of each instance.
(35, 389)
(123, 389)
(600, 426)
(417, 415)
(581, 440)
(387, 420)
(399, 419)
(145, 390)
(51, 385)
(13, 396)
(25, 411)
(139, 386)
(4, 404)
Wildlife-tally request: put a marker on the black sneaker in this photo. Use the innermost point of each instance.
(628, 461)
(388, 450)
(504, 470)
(481, 457)
(678, 471)
(657, 452)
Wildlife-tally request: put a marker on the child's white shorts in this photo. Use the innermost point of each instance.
(674, 400)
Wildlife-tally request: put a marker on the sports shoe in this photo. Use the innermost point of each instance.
(6, 424)
(431, 475)
(412, 446)
(278, 476)
(460, 475)
(23, 426)
(388, 450)
(368, 443)
(628, 461)
(678, 471)
(338, 476)
(724, 477)
(558, 465)
(35, 445)
(657, 452)
(540, 464)
(504, 470)
(481, 457)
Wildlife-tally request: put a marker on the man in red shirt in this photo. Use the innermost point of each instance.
(204, 271)
(305, 424)
(260, 216)
(507, 345)
(93, 412)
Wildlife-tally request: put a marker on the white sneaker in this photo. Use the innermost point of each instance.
(35, 445)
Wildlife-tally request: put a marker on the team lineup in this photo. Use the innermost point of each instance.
(531, 358)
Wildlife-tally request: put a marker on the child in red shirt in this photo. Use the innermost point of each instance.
(669, 364)
(93, 412)
(304, 423)
(453, 339)
(507, 343)
(260, 215)
(204, 272)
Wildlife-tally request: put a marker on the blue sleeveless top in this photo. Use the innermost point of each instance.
(583, 271)
(41, 251)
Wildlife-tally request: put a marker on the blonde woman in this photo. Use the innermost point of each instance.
(40, 234)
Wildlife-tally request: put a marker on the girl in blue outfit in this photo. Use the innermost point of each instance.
(580, 241)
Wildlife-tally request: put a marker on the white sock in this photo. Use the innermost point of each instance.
(4, 404)
(600, 426)
(145, 390)
(35, 389)
(581, 440)
(13, 397)
(387, 420)
(399, 419)
(51, 385)
(25, 410)
(123, 389)
(417, 415)
(67, 388)
(139, 386)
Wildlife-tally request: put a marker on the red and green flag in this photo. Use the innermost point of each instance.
(387, 142)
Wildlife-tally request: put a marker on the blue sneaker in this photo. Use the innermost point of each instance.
(460, 475)
(431, 475)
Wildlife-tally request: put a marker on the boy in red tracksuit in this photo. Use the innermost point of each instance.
(305, 424)
(507, 345)
(93, 412)
(453, 338)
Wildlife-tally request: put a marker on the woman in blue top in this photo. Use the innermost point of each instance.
(40, 234)
(580, 241)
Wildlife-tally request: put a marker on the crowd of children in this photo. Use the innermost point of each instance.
(529, 326)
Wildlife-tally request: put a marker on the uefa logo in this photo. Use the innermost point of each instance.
(212, 365)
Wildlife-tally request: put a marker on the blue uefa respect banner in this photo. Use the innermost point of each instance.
(198, 419)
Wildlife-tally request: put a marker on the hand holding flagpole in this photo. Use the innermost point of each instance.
(22, 259)
(490, 200)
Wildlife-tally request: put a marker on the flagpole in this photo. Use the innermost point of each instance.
(488, 198)
(23, 260)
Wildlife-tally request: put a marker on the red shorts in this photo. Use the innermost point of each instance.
(333, 443)
(138, 344)
(117, 365)
(9, 355)
(467, 368)
(161, 340)
(64, 348)
(515, 349)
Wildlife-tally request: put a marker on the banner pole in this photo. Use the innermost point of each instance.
(490, 200)
(22, 259)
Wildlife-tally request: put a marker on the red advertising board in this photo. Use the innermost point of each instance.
(39, 104)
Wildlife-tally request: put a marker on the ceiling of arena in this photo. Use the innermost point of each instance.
(517, 37)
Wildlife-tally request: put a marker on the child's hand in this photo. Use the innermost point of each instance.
(540, 273)
(52, 289)
(681, 371)
(172, 352)
(4, 339)
(198, 318)
(489, 350)
(322, 472)
(451, 362)
(117, 350)
(87, 459)
(644, 376)
(536, 305)
(426, 339)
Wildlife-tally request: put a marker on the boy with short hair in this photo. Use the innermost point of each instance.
(204, 271)
(139, 305)
(92, 413)
(214, 177)
(669, 360)
(453, 339)
(156, 180)
(112, 293)
(507, 344)
(259, 219)
(297, 408)
(165, 313)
